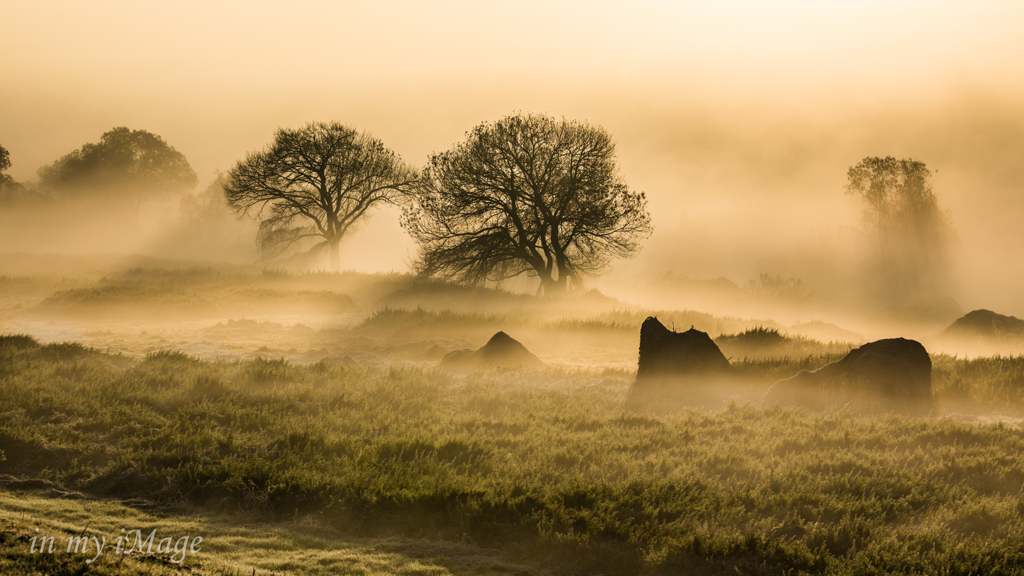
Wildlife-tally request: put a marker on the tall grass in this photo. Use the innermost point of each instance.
(995, 382)
(549, 468)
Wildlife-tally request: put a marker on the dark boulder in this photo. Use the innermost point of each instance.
(500, 351)
(893, 375)
(666, 355)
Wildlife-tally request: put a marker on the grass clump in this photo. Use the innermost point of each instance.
(17, 342)
(762, 342)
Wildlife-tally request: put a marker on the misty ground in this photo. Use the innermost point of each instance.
(137, 305)
(300, 414)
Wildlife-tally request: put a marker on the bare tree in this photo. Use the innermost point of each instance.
(315, 182)
(527, 194)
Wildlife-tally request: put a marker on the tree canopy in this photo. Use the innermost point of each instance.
(910, 234)
(5, 159)
(130, 164)
(10, 190)
(526, 194)
(5, 163)
(315, 182)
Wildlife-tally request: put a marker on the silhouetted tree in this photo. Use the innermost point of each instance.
(129, 164)
(10, 190)
(5, 163)
(911, 235)
(527, 194)
(5, 159)
(315, 182)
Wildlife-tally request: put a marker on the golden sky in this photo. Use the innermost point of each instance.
(188, 70)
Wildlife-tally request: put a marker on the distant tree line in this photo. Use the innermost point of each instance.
(527, 194)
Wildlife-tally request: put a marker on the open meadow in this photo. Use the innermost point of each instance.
(298, 423)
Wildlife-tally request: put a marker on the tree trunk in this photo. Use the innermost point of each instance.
(554, 288)
(545, 281)
(335, 256)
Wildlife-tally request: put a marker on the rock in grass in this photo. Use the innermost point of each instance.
(500, 351)
(892, 375)
(666, 355)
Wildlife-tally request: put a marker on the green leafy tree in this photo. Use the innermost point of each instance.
(526, 194)
(131, 165)
(910, 234)
(315, 183)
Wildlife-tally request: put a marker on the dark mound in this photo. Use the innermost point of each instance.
(500, 350)
(665, 354)
(882, 376)
(985, 326)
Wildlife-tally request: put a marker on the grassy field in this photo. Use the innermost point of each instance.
(296, 423)
(557, 472)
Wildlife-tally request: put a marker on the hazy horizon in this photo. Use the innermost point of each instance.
(739, 120)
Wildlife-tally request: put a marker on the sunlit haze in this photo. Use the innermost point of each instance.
(738, 119)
